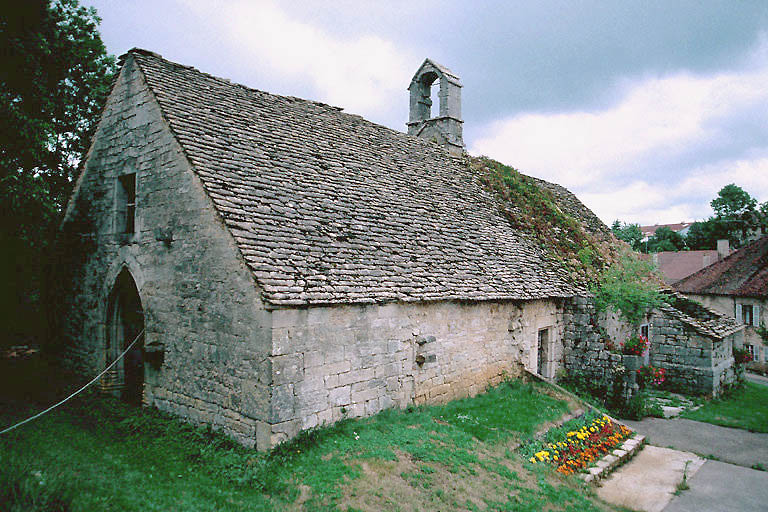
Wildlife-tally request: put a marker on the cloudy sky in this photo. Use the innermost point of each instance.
(643, 109)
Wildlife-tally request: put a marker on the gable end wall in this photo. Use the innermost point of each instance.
(199, 299)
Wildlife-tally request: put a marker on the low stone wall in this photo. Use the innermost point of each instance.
(584, 342)
(335, 362)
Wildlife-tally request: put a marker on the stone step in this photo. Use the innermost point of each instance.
(613, 460)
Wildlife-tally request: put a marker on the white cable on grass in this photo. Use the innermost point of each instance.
(79, 390)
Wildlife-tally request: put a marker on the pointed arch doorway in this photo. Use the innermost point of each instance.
(125, 321)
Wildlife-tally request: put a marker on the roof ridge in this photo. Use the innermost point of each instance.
(148, 53)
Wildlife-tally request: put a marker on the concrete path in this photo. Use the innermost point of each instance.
(757, 379)
(723, 443)
(648, 481)
(721, 487)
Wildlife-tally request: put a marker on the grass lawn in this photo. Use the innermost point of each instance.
(745, 407)
(98, 454)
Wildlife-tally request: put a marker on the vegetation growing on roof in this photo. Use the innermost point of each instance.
(534, 210)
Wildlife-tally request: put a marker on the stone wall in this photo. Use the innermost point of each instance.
(199, 300)
(694, 363)
(349, 361)
(584, 340)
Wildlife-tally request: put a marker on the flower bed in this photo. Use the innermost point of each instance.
(577, 444)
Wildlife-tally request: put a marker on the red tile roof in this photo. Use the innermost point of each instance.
(675, 265)
(651, 230)
(743, 273)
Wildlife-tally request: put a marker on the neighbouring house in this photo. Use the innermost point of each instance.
(675, 265)
(281, 264)
(736, 286)
(681, 228)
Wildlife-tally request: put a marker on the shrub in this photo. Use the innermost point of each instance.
(741, 355)
(629, 287)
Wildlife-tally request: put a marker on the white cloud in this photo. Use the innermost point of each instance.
(622, 160)
(363, 74)
(656, 115)
(687, 199)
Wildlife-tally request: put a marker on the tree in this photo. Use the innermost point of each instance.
(735, 208)
(55, 75)
(630, 233)
(704, 235)
(664, 239)
(733, 202)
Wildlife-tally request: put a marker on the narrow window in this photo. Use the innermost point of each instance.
(543, 353)
(746, 314)
(126, 203)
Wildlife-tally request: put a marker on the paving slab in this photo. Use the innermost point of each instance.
(718, 486)
(648, 481)
(726, 444)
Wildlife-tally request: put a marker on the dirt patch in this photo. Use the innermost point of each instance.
(411, 485)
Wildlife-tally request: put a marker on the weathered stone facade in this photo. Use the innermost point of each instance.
(291, 265)
(696, 358)
(201, 307)
(694, 363)
(584, 342)
(351, 361)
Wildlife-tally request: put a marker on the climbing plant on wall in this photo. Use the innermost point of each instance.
(628, 286)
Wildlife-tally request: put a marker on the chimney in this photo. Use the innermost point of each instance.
(445, 125)
(723, 249)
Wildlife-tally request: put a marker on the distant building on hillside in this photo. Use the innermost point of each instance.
(681, 229)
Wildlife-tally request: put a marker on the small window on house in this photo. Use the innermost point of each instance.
(126, 203)
(752, 352)
(644, 331)
(746, 314)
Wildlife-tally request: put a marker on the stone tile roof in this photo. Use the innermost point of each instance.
(327, 207)
(704, 320)
(743, 273)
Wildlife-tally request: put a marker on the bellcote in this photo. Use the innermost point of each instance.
(444, 124)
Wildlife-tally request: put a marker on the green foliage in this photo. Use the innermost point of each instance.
(736, 213)
(628, 287)
(664, 239)
(55, 75)
(733, 201)
(704, 235)
(745, 407)
(533, 209)
(26, 487)
(120, 458)
(630, 233)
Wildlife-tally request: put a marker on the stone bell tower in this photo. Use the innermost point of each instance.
(445, 127)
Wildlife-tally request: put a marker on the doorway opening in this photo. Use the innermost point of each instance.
(125, 322)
